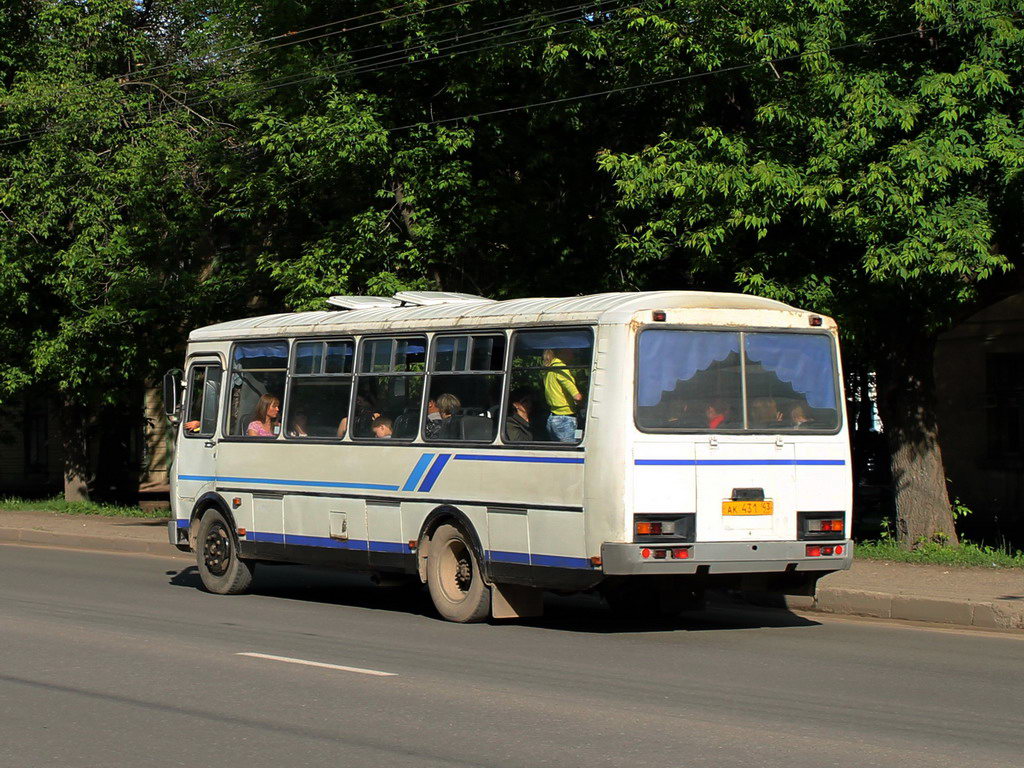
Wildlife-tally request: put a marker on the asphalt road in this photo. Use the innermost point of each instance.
(116, 660)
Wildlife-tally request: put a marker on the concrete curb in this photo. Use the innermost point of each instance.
(992, 614)
(95, 543)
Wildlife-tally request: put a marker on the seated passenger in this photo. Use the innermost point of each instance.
(764, 413)
(381, 427)
(365, 413)
(265, 424)
(717, 413)
(299, 425)
(517, 423)
(798, 418)
(442, 428)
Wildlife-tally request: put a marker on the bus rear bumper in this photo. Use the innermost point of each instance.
(720, 557)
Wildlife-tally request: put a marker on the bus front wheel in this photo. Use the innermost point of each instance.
(454, 579)
(220, 568)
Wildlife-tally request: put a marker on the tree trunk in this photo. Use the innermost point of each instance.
(75, 448)
(906, 404)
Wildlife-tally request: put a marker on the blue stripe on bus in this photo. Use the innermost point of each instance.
(328, 543)
(739, 462)
(498, 556)
(390, 546)
(559, 561)
(273, 481)
(270, 538)
(182, 523)
(417, 472)
(518, 459)
(435, 470)
(523, 558)
(321, 541)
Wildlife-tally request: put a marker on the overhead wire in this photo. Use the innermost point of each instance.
(399, 58)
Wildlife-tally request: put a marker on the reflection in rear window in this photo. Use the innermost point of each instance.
(694, 380)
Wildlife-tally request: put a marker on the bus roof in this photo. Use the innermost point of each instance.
(601, 308)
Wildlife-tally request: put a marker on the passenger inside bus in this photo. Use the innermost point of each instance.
(517, 423)
(718, 413)
(445, 427)
(381, 427)
(562, 395)
(365, 413)
(764, 413)
(298, 425)
(798, 418)
(265, 423)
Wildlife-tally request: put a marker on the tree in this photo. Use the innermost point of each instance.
(853, 159)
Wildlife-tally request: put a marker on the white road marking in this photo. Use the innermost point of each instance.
(374, 672)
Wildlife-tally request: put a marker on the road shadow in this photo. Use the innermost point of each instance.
(326, 586)
(582, 613)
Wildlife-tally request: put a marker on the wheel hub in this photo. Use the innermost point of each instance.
(217, 550)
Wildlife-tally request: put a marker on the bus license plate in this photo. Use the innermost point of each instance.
(747, 507)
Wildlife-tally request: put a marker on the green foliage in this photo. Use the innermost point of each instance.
(60, 506)
(936, 553)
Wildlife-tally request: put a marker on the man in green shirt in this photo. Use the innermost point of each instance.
(562, 395)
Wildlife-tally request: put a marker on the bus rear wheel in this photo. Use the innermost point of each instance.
(454, 578)
(222, 571)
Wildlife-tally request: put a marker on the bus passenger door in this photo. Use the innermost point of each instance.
(195, 460)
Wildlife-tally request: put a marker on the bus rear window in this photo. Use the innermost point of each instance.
(736, 381)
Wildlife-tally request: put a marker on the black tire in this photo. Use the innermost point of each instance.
(454, 578)
(223, 572)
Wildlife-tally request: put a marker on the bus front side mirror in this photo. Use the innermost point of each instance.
(172, 394)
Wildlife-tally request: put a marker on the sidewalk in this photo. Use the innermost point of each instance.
(975, 597)
(109, 534)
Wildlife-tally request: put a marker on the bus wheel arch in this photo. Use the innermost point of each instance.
(438, 517)
(452, 559)
(209, 500)
(221, 567)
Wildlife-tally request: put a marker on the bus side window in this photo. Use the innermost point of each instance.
(550, 376)
(389, 385)
(466, 379)
(320, 387)
(258, 368)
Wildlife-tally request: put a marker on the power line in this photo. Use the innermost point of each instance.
(290, 34)
(125, 78)
(597, 7)
(393, 59)
(664, 81)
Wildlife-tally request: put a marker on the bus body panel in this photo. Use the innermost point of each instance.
(536, 511)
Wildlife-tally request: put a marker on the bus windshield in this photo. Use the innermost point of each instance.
(736, 381)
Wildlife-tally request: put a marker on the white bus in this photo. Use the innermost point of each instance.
(650, 445)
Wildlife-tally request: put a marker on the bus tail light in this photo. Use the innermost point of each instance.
(683, 553)
(824, 550)
(821, 525)
(660, 554)
(680, 528)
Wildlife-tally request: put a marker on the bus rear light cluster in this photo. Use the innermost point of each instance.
(824, 550)
(822, 526)
(656, 528)
(676, 553)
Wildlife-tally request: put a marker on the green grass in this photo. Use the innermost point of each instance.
(57, 504)
(967, 554)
